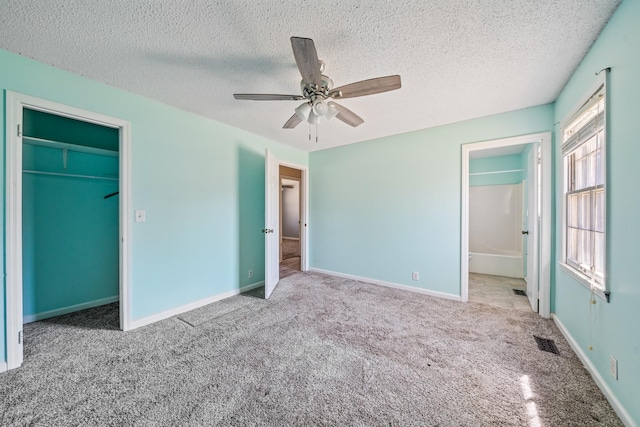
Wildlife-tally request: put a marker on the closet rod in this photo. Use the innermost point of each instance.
(493, 172)
(69, 175)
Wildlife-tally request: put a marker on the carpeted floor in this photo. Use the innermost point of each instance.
(290, 248)
(320, 351)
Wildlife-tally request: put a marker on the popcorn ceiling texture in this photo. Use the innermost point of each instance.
(458, 60)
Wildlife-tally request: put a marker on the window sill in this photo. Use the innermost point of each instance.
(584, 281)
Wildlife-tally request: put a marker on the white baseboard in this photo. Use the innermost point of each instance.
(69, 309)
(191, 306)
(3, 367)
(608, 393)
(389, 284)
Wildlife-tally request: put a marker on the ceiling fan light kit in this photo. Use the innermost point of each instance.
(318, 91)
(303, 111)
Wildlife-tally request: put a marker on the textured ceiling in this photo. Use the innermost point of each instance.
(458, 59)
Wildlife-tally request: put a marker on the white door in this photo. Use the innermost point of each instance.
(532, 227)
(271, 223)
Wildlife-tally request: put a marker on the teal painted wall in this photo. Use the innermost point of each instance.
(384, 208)
(69, 231)
(201, 183)
(43, 125)
(511, 162)
(615, 330)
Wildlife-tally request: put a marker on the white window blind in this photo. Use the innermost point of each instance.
(583, 150)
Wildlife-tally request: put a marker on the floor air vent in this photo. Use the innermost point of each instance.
(520, 292)
(545, 344)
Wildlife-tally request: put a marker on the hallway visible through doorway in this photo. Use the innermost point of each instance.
(290, 230)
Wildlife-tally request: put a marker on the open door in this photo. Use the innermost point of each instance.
(532, 222)
(271, 223)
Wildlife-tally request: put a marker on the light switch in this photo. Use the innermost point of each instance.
(140, 215)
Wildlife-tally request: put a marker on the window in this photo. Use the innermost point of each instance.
(583, 151)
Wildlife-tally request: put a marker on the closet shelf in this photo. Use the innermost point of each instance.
(495, 172)
(48, 143)
(70, 175)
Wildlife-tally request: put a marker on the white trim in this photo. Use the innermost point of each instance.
(13, 227)
(3, 367)
(192, 306)
(388, 284)
(125, 225)
(15, 103)
(304, 212)
(544, 261)
(69, 309)
(595, 374)
(545, 218)
(583, 280)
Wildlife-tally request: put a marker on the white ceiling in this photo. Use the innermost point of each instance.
(458, 59)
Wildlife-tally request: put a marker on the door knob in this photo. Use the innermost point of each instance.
(525, 232)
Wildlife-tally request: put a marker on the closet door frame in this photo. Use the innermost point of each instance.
(15, 104)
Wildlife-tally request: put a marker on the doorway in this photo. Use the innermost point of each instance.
(506, 222)
(57, 156)
(290, 220)
(273, 218)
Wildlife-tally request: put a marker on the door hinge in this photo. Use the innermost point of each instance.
(19, 131)
(20, 337)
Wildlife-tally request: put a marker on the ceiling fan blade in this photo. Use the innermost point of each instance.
(304, 51)
(367, 87)
(267, 97)
(292, 122)
(347, 116)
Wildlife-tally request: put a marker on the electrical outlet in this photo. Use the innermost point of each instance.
(251, 273)
(415, 275)
(613, 367)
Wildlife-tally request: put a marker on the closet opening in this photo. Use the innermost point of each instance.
(67, 228)
(70, 218)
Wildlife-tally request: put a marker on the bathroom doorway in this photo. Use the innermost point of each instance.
(505, 233)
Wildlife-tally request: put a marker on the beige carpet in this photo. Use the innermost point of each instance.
(320, 351)
(290, 248)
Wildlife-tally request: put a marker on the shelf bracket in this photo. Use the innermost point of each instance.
(65, 156)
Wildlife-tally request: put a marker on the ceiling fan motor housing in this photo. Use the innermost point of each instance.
(311, 90)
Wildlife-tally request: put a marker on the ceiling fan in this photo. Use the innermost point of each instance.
(318, 91)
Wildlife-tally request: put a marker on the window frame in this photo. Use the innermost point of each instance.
(601, 287)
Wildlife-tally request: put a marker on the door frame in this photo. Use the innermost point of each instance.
(299, 180)
(544, 261)
(532, 248)
(15, 104)
(304, 209)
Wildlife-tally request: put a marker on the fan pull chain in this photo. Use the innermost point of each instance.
(317, 130)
